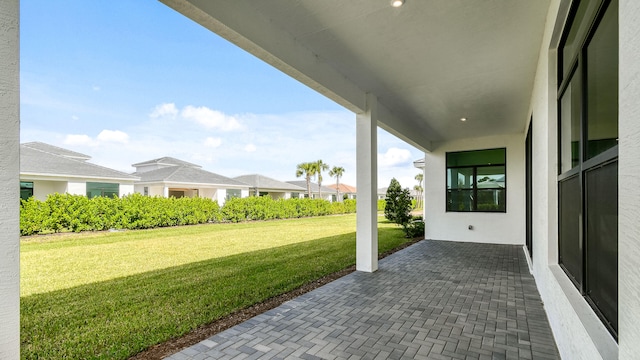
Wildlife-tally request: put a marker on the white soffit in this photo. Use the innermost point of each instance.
(429, 62)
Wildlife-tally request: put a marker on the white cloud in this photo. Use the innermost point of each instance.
(395, 157)
(79, 139)
(74, 117)
(113, 136)
(95, 88)
(166, 109)
(211, 119)
(212, 142)
(250, 148)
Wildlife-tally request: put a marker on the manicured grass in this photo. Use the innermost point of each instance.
(111, 295)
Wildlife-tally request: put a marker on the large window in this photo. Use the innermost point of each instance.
(102, 189)
(588, 156)
(26, 190)
(233, 193)
(476, 180)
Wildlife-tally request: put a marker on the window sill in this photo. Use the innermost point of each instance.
(600, 336)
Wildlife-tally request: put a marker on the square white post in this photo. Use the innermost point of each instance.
(367, 184)
(9, 181)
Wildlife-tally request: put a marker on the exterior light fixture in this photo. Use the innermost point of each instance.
(397, 3)
(463, 119)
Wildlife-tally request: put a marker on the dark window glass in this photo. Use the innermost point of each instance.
(602, 85)
(570, 246)
(588, 143)
(233, 193)
(26, 190)
(176, 193)
(102, 189)
(572, 42)
(476, 180)
(602, 240)
(570, 127)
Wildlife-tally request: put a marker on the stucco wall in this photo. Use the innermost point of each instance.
(42, 188)
(126, 189)
(578, 332)
(500, 228)
(77, 187)
(629, 191)
(9, 181)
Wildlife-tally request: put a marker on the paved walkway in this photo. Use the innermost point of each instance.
(433, 300)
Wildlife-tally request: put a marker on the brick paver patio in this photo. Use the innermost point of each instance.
(433, 300)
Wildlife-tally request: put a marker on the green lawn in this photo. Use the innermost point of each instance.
(111, 295)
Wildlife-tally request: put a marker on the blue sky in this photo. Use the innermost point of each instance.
(128, 81)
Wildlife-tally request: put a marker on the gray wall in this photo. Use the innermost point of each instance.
(9, 181)
(629, 189)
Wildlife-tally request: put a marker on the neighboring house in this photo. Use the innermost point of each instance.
(46, 169)
(262, 186)
(327, 192)
(382, 193)
(169, 176)
(346, 191)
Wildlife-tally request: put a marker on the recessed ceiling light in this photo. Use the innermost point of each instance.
(463, 119)
(397, 3)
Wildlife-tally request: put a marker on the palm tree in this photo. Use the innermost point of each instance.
(337, 172)
(320, 165)
(308, 170)
(419, 189)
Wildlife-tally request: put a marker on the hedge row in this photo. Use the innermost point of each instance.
(65, 212)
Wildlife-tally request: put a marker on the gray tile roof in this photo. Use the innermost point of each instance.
(167, 160)
(263, 182)
(187, 175)
(314, 186)
(56, 150)
(39, 162)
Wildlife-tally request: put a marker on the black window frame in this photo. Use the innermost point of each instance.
(474, 189)
(573, 254)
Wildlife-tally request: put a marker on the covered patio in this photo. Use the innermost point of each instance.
(433, 300)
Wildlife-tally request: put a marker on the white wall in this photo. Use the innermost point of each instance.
(126, 189)
(629, 171)
(578, 332)
(9, 181)
(501, 228)
(221, 195)
(77, 187)
(42, 188)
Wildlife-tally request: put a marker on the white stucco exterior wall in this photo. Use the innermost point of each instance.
(629, 171)
(578, 332)
(221, 196)
(9, 181)
(126, 189)
(77, 187)
(500, 228)
(42, 188)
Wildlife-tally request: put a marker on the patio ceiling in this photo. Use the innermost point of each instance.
(429, 63)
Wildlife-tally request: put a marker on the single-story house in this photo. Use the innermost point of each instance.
(167, 176)
(323, 192)
(261, 185)
(345, 191)
(46, 169)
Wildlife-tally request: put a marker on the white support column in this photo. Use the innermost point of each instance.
(367, 184)
(165, 192)
(9, 181)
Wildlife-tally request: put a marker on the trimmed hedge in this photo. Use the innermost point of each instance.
(65, 212)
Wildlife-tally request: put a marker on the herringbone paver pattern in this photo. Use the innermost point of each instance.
(433, 300)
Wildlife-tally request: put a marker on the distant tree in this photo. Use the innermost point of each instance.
(320, 166)
(337, 172)
(397, 204)
(419, 190)
(308, 170)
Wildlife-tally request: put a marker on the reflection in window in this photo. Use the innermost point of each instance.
(476, 181)
(26, 190)
(102, 189)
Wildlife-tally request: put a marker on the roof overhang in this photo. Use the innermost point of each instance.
(429, 63)
(64, 177)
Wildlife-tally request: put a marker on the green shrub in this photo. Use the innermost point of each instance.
(65, 212)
